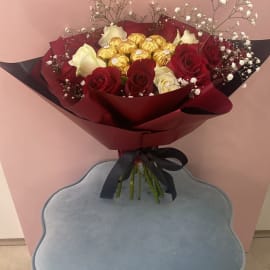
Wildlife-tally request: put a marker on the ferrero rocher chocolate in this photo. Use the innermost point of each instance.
(137, 38)
(162, 57)
(170, 47)
(106, 52)
(114, 42)
(126, 47)
(140, 54)
(161, 41)
(149, 45)
(119, 61)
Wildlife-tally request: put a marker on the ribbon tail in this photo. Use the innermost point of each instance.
(161, 156)
(170, 185)
(120, 172)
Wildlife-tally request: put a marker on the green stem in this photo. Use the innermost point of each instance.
(159, 187)
(119, 187)
(150, 183)
(139, 183)
(155, 184)
(131, 184)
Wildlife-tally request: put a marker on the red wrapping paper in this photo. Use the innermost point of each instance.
(132, 123)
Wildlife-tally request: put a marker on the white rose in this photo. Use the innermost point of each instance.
(177, 39)
(110, 32)
(165, 80)
(188, 38)
(86, 61)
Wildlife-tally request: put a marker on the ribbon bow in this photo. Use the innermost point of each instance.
(157, 160)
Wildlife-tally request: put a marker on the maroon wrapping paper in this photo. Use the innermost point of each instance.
(161, 131)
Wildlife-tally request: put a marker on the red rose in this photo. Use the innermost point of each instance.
(187, 63)
(212, 53)
(104, 79)
(140, 78)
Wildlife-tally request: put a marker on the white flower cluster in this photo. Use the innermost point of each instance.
(240, 10)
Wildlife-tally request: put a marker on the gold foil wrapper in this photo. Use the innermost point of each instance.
(140, 54)
(149, 45)
(106, 52)
(121, 62)
(161, 41)
(137, 38)
(126, 47)
(170, 47)
(162, 57)
(115, 42)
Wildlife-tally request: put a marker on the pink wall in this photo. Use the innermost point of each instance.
(41, 150)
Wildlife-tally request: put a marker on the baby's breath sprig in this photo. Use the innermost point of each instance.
(242, 10)
(156, 11)
(193, 16)
(106, 12)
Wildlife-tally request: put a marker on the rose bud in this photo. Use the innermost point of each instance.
(105, 80)
(140, 78)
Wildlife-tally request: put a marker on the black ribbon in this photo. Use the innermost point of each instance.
(28, 72)
(157, 160)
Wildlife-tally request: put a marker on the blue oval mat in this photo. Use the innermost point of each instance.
(84, 232)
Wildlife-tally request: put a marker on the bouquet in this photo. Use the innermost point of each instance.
(137, 85)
